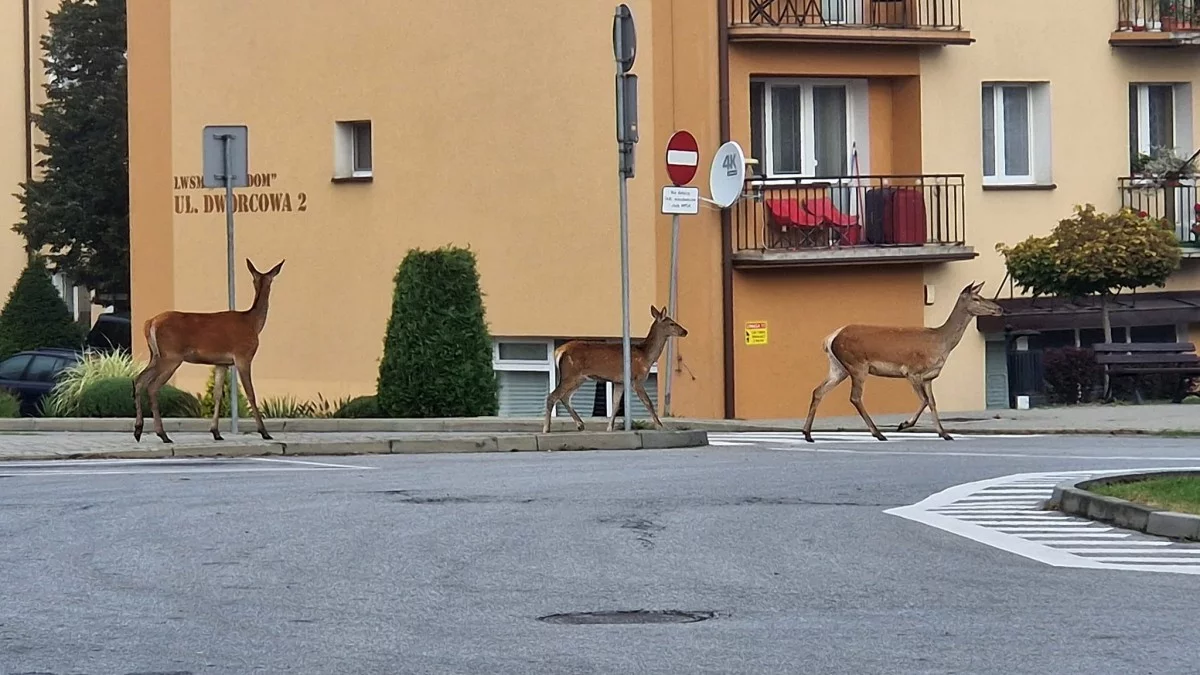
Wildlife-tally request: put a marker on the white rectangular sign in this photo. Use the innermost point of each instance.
(680, 200)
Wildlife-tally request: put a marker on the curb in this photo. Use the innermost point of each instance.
(1075, 498)
(505, 425)
(579, 441)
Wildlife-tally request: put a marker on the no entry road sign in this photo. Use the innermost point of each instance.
(683, 156)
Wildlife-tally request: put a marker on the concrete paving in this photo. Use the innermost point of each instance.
(444, 564)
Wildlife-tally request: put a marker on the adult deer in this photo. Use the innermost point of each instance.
(221, 339)
(915, 354)
(582, 360)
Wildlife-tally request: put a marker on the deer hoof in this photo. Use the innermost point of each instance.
(879, 436)
(946, 437)
(217, 435)
(902, 426)
(266, 436)
(808, 437)
(165, 438)
(137, 434)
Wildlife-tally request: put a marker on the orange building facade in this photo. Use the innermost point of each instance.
(893, 149)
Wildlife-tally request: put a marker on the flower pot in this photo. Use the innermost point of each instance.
(1170, 25)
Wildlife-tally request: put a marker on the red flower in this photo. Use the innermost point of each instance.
(1143, 214)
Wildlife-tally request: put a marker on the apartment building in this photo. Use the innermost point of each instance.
(21, 80)
(897, 141)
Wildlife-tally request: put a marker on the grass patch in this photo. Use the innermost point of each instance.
(1180, 494)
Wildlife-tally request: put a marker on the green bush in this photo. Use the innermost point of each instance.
(1071, 374)
(206, 399)
(360, 407)
(10, 404)
(437, 353)
(63, 400)
(35, 316)
(113, 397)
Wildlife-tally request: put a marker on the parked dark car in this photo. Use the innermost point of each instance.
(32, 374)
(112, 331)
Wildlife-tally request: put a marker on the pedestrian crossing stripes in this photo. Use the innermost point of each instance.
(1006, 513)
(794, 438)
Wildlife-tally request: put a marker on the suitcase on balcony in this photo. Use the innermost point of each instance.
(907, 221)
(894, 216)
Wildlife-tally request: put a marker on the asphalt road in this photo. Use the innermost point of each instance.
(443, 564)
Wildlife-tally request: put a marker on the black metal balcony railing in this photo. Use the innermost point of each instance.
(911, 14)
(1166, 16)
(1178, 202)
(850, 212)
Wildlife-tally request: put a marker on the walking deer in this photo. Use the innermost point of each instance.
(221, 339)
(915, 354)
(582, 360)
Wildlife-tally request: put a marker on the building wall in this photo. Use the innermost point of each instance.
(1089, 83)
(470, 144)
(801, 308)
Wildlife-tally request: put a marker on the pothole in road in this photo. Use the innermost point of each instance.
(623, 616)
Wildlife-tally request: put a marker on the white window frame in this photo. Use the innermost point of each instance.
(345, 149)
(858, 135)
(1039, 134)
(1181, 104)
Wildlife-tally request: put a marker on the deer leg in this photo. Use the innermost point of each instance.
(612, 421)
(857, 379)
(836, 374)
(919, 387)
(563, 393)
(139, 385)
(165, 371)
(243, 368)
(219, 373)
(640, 389)
(933, 411)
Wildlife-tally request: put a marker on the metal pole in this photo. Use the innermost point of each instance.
(233, 375)
(624, 198)
(672, 293)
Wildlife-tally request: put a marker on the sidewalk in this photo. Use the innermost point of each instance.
(1083, 419)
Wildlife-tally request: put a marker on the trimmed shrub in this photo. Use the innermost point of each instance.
(113, 397)
(360, 407)
(10, 404)
(1071, 374)
(35, 316)
(63, 400)
(437, 353)
(206, 399)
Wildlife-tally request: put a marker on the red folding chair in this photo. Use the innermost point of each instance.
(825, 213)
(788, 215)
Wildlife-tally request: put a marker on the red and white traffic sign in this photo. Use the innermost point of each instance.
(683, 155)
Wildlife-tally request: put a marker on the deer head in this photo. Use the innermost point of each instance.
(262, 280)
(666, 323)
(976, 304)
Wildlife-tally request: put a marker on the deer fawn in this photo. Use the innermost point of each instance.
(581, 360)
(915, 354)
(218, 339)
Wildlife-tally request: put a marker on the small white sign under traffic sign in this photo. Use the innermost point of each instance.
(680, 200)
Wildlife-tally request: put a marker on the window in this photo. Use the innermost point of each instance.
(1016, 133)
(1160, 116)
(352, 150)
(809, 128)
(13, 368)
(526, 372)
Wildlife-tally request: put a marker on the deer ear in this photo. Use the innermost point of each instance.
(978, 287)
(654, 312)
(253, 271)
(275, 270)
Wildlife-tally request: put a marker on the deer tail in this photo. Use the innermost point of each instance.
(827, 345)
(152, 339)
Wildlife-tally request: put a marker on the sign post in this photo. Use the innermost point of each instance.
(683, 155)
(226, 165)
(625, 51)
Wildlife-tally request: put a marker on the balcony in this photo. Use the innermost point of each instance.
(1157, 23)
(889, 22)
(853, 220)
(1177, 201)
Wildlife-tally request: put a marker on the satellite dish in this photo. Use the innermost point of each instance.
(727, 175)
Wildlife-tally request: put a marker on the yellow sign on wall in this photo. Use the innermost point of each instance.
(756, 332)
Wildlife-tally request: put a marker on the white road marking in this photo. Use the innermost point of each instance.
(310, 463)
(166, 465)
(1022, 528)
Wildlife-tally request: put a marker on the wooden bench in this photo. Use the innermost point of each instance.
(1135, 359)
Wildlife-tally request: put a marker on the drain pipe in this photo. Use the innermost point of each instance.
(726, 219)
(28, 63)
